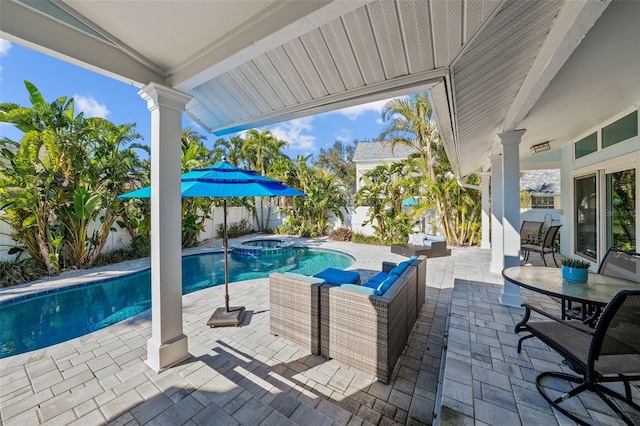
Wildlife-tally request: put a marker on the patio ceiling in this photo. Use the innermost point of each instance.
(252, 63)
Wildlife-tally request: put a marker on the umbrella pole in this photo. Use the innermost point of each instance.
(226, 257)
(226, 316)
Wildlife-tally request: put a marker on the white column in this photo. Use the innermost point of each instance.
(497, 240)
(510, 294)
(486, 213)
(167, 345)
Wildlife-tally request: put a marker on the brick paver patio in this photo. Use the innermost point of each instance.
(247, 376)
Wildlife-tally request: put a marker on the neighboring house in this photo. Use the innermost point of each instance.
(543, 204)
(543, 187)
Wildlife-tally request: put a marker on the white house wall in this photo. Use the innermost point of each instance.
(625, 153)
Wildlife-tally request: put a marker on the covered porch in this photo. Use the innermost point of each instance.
(503, 77)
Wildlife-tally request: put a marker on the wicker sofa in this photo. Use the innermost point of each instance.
(295, 309)
(366, 331)
(370, 332)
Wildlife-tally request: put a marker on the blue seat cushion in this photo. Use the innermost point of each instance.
(338, 276)
(371, 284)
(379, 277)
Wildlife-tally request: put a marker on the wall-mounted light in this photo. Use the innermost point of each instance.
(541, 147)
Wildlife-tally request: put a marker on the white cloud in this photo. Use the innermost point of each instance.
(296, 132)
(344, 136)
(90, 106)
(4, 47)
(356, 111)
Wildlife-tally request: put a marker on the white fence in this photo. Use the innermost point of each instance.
(353, 219)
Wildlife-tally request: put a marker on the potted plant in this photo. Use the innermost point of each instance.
(575, 269)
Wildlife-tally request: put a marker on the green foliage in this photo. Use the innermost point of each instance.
(308, 216)
(359, 238)
(235, 230)
(575, 263)
(383, 191)
(65, 172)
(195, 210)
(13, 272)
(139, 247)
(426, 175)
(341, 234)
(338, 160)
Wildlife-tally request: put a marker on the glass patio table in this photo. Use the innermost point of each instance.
(597, 291)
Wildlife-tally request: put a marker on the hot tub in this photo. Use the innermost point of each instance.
(262, 246)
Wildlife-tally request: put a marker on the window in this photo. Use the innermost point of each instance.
(542, 202)
(586, 216)
(586, 145)
(621, 130)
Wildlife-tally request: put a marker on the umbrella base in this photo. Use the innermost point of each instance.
(222, 318)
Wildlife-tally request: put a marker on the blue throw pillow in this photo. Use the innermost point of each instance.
(385, 285)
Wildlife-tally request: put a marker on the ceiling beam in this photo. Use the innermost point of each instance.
(392, 88)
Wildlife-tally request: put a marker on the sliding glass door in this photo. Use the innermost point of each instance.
(621, 209)
(586, 216)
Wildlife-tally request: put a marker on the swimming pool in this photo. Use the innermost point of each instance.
(47, 319)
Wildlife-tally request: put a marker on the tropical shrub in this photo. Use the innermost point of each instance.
(65, 172)
(383, 191)
(359, 238)
(325, 196)
(14, 272)
(235, 230)
(430, 179)
(139, 247)
(341, 234)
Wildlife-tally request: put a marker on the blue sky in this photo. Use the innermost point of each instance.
(118, 102)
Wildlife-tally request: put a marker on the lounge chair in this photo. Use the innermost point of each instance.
(423, 245)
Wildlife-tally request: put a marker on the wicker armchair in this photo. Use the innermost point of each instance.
(370, 332)
(295, 309)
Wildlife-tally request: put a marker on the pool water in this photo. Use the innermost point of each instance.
(51, 318)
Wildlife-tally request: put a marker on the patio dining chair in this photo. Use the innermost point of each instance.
(529, 234)
(608, 353)
(544, 246)
(616, 263)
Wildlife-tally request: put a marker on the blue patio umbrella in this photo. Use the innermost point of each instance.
(224, 180)
(410, 202)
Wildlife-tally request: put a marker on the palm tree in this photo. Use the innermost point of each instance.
(413, 124)
(260, 150)
(231, 147)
